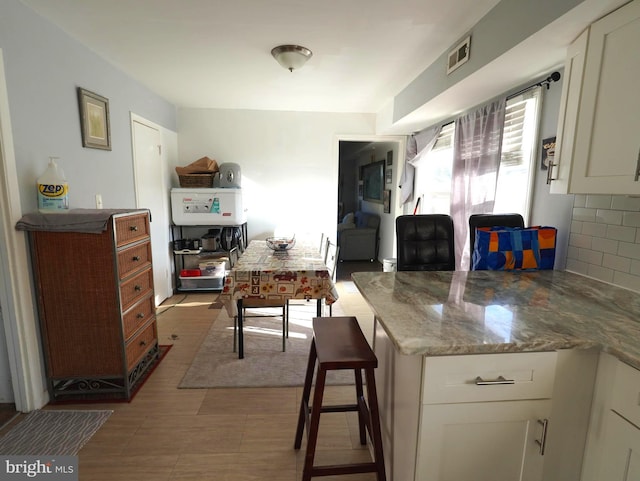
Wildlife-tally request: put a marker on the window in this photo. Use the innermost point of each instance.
(516, 174)
(515, 177)
(433, 174)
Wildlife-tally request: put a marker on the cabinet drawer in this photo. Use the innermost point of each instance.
(133, 259)
(625, 398)
(131, 228)
(139, 345)
(135, 288)
(137, 316)
(474, 378)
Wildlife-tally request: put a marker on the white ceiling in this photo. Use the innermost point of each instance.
(216, 53)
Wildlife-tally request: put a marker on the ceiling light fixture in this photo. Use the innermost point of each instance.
(291, 57)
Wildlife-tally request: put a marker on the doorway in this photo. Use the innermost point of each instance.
(6, 389)
(355, 152)
(21, 347)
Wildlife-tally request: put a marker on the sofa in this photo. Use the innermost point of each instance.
(358, 236)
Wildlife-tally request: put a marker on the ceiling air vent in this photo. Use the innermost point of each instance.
(458, 55)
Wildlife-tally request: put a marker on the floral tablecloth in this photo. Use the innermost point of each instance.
(298, 273)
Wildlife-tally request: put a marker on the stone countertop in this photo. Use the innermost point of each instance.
(447, 313)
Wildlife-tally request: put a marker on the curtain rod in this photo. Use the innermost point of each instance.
(554, 77)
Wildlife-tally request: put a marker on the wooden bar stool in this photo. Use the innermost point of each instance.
(338, 343)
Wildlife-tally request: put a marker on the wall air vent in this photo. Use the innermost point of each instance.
(459, 55)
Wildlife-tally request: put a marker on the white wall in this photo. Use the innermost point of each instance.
(503, 28)
(44, 66)
(289, 162)
(551, 209)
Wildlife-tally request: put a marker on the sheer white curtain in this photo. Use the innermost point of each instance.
(476, 161)
(418, 145)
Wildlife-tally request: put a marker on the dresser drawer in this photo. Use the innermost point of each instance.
(140, 345)
(131, 228)
(138, 316)
(488, 377)
(134, 289)
(625, 398)
(133, 259)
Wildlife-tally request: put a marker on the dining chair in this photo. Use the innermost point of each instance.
(490, 220)
(331, 260)
(322, 253)
(324, 244)
(425, 243)
(255, 304)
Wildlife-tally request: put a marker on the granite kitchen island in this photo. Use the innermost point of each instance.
(490, 375)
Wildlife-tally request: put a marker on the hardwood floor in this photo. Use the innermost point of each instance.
(7, 413)
(173, 434)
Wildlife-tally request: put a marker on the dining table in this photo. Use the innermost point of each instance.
(264, 273)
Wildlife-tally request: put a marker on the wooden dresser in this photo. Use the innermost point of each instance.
(96, 307)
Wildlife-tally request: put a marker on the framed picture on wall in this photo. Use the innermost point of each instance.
(386, 201)
(373, 182)
(548, 152)
(94, 120)
(388, 175)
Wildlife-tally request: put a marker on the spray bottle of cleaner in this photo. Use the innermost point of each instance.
(53, 190)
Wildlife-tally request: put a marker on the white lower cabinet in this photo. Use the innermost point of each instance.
(488, 441)
(620, 450)
(484, 417)
(613, 447)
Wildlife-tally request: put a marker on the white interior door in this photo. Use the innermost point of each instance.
(151, 193)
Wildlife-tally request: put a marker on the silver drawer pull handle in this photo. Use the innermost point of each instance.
(137, 288)
(136, 258)
(133, 228)
(143, 343)
(500, 380)
(542, 442)
(550, 172)
(140, 315)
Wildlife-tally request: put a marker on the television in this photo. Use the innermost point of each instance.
(373, 181)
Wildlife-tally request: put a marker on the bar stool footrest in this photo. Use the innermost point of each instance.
(332, 470)
(339, 408)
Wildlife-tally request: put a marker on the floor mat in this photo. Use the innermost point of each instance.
(52, 432)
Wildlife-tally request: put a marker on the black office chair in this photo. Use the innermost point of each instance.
(425, 243)
(492, 220)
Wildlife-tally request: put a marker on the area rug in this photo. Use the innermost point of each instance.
(264, 363)
(52, 432)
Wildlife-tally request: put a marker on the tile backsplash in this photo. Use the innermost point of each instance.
(604, 241)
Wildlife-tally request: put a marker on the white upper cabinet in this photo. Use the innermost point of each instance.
(559, 172)
(598, 147)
